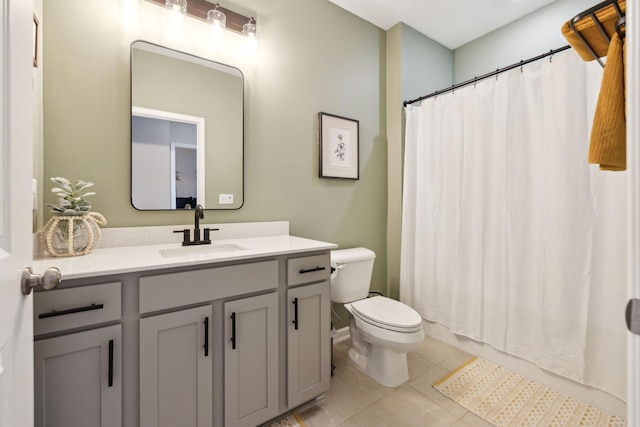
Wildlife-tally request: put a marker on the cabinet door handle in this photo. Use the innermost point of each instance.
(55, 313)
(206, 337)
(295, 313)
(110, 363)
(311, 270)
(233, 331)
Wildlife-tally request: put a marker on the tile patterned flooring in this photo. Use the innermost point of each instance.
(355, 400)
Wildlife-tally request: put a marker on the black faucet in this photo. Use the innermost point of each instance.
(199, 214)
(186, 241)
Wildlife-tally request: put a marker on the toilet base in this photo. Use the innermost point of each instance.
(384, 365)
(358, 359)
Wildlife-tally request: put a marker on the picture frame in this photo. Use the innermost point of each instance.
(339, 147)
(35, 40)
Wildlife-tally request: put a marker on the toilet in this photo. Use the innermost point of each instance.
(382, 330)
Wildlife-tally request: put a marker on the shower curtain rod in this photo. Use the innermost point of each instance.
(486, 76)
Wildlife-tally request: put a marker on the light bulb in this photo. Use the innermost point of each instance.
(175, 16)
(249, 29)
(177, 6)
(216, 18)
(218, 22)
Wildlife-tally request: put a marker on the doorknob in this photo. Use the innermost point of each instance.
(50, 279)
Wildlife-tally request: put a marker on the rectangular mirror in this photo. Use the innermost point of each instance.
(187, 131)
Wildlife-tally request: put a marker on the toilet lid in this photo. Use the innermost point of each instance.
(387, 313)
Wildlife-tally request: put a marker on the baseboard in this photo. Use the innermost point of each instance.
(340, 335)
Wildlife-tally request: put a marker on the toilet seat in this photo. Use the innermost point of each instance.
(388, 314)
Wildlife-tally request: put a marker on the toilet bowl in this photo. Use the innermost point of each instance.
(382, 330)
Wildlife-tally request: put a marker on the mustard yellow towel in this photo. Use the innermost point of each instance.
(608, 16)
(608, 146)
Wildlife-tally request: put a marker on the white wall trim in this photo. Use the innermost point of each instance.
(633, 209)
(340, 335)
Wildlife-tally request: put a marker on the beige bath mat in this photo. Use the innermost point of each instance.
(507, 399)
(291, 420)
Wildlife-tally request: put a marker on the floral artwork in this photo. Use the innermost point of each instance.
(339, 147)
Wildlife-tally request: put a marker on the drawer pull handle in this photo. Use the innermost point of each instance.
(312, 270)
(206, 337)
(55, 313)
(295, 313)
(233, 331)
(110, 363)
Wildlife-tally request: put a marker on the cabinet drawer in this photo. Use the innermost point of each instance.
(70, 308)
(191, 287)
(308, 269)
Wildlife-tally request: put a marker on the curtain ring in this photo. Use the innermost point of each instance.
(497, 72)
(521, 65)
(475, 80)
(551, 55)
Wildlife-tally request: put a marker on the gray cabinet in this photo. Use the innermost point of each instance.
(251, 360)
(308, 342)
(204, 345)
(78, 379)
(176, 369)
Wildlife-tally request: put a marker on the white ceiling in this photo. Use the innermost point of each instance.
(451, 23)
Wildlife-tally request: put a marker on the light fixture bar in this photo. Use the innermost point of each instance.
(198, 9)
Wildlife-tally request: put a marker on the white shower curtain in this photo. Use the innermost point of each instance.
(509, 237)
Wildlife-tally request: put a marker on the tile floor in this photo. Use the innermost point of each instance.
(355, 400)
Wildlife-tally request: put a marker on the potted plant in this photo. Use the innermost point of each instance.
(74, 229)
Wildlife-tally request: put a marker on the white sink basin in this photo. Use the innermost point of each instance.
(200, 250)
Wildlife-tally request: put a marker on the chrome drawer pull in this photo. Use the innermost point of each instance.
(311, 270)
(55, 313)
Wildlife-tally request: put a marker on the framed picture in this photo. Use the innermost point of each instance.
(35, 40)
(339, 147)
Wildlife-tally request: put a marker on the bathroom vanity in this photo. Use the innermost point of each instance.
(229, 334)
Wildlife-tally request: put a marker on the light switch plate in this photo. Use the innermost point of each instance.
(225, 199)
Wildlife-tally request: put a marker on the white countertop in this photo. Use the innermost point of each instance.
(126, 259)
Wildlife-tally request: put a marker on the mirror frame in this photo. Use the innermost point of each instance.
(204, 62)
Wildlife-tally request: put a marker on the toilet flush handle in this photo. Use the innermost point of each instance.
(333, 269)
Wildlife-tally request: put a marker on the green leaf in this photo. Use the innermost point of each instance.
(81, 185)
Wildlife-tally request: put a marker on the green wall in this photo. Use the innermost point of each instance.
(416, 66)
(313, 57)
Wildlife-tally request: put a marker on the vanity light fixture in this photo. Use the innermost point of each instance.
(200, 9)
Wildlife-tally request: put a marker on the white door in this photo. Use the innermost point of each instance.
(16, 164)
(633, 166)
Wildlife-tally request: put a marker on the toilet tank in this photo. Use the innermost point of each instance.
(351, 278)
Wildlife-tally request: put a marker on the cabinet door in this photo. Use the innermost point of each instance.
(176, 369)
(78, 379)
(308, 342)
(251, 360)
